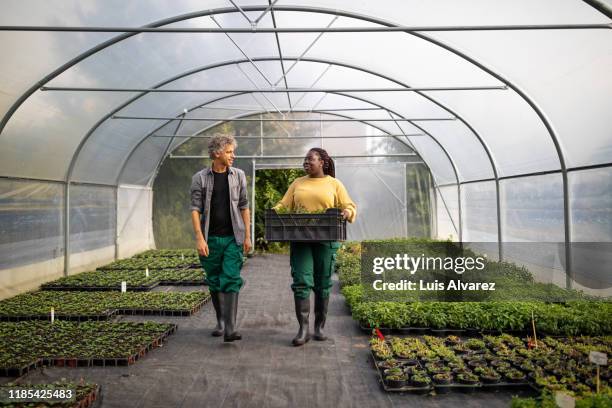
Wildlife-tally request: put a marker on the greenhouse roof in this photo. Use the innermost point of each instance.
(480, 90)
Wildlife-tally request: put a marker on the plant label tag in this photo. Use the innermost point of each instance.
(598, 358)
(52, 315)
(147, 272)
(123, 287)
(564, 400)
(182, 257)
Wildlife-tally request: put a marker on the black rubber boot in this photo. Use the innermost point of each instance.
(302, 311)
(229, 314)
(218, 302)
(321, 304)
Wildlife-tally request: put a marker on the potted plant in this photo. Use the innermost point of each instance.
(515, 376)
(420, 380)
(467, 379)
(488, 375)
(442, 378)
(396, 380)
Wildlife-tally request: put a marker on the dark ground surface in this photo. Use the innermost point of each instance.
(193, 369)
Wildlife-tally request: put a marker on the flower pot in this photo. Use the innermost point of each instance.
(420, 383)
(486, 379)
(442, 379)
(396, 383)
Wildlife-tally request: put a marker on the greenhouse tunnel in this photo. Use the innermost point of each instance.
(508, 123)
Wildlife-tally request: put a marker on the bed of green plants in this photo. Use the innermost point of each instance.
(107, 278)
(133, 278)
(547, 400)
(552, 364)
(572, 318)
(153, 263)
(170, 253)
(22, 343)
(71, 303)
(579, 314)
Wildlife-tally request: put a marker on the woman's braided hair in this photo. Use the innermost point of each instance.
(329, 167)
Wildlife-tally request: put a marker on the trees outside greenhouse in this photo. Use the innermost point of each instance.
(471, 151)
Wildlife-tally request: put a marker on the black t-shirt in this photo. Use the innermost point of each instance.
(220, 218)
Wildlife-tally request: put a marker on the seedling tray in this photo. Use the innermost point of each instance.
(101, 288)
(327, 226)
(75, 318)
(407, 389)
(109, 362)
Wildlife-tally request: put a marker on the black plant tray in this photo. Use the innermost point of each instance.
(74, 318)
(502, 385)
(19, 371)
(407, 388)
(327, 226)
(182, 283)
(90, 362)
(101, 288)
(456, 387)
(164, 312)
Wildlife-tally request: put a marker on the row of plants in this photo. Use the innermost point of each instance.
(171, 253)
(492, 361)
(513, 282)
(94, 304)
(104, 280)
(154, 263)
(548, 400)
(25, 343)
(135, 279)
(572, 318)
(85, 394)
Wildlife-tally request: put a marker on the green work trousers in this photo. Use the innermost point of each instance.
(223, 264)
(312, 264)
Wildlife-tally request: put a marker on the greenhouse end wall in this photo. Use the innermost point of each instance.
(32, 243)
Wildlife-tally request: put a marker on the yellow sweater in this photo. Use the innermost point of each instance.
(312, 194)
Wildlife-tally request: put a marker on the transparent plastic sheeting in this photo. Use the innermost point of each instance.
(508, 124)
(31, 222)
(134, 220)
(447, 213)
(591, 227)
(92, 217)
(379, 191)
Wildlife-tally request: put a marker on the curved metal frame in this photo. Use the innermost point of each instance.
(449, 48)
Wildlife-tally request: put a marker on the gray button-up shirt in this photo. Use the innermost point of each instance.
(201, 194)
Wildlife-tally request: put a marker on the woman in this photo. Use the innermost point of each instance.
(312, 263)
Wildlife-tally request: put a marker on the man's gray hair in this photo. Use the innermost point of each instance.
(218, 143)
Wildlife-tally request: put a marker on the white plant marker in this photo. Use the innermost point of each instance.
(182, 256)
(52, 315)
(564, 400)
(123, 287)
(598, 359)
(147, 272)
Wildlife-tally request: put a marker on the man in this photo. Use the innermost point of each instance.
(221, 221)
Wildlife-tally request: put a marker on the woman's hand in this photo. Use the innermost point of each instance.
(345, 214)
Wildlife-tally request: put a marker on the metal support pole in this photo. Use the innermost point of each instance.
(406, 198)
(296, 137)
(276, 90)
(220, 120)
(253, 206)
(255, 30)
(301, 157)
(116, 222)
(66, 228)
(261, 134)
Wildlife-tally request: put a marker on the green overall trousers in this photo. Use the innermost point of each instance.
(312, 264)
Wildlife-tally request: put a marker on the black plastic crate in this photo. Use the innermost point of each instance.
(327, 226)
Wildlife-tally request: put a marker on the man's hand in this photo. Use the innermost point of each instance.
(247, 245)
(345, 214)
(202, 247)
